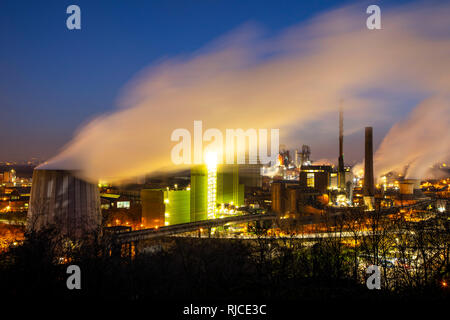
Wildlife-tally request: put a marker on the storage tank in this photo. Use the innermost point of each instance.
(178, 206)
(59, 199)
(199, 193)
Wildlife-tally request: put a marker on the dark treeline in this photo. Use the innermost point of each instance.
(266, 267)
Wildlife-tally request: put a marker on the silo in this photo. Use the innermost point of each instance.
(61, 200)
(199, 193)
(178, 206)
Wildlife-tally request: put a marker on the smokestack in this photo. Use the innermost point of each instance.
(341, 171)
(369, 189)
(65, 202)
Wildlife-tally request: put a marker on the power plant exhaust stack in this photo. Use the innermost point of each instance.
(341, 170)
(369, 189)
(65, 202)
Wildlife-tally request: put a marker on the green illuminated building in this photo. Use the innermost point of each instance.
(229, 191)
(177, 206)
(168, 207)
(199, 192)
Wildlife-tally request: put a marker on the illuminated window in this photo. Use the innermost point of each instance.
(310, 180)
(123, 204)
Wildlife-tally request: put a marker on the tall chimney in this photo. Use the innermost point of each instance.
(369, 189)
(341, 171)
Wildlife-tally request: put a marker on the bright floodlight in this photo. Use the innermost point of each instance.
(211, 159)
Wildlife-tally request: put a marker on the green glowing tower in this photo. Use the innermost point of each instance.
(199, 192)
(177, 206)
(228, 188)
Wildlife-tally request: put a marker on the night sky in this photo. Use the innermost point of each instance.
(52, 80)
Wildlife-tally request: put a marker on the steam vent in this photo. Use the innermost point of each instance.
(61, 200)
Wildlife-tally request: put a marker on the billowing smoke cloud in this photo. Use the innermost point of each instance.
(291, 80)
(418, 142)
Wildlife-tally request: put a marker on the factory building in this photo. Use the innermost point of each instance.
(290, 198)
(229, 190)
(250, 175)
(153, 208)
(211, 189)
(8, 176)
(316, 177)
(249, 172)
(14, 199)
(165, 207)
(334, 181)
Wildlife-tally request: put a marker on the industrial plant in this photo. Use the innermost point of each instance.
(180, 203)
(196, 162)
(292, 200)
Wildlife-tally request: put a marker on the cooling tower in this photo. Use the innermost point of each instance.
(406, 188)
(61, 200)
(409, 186)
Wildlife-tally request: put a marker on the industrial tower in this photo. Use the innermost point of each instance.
(341, 170)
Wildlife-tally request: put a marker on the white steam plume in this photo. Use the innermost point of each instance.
(419, 142)
(291, 80)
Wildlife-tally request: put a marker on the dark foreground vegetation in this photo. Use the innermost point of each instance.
(202, 269)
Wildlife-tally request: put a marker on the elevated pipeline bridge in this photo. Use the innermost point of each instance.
(139, 235)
